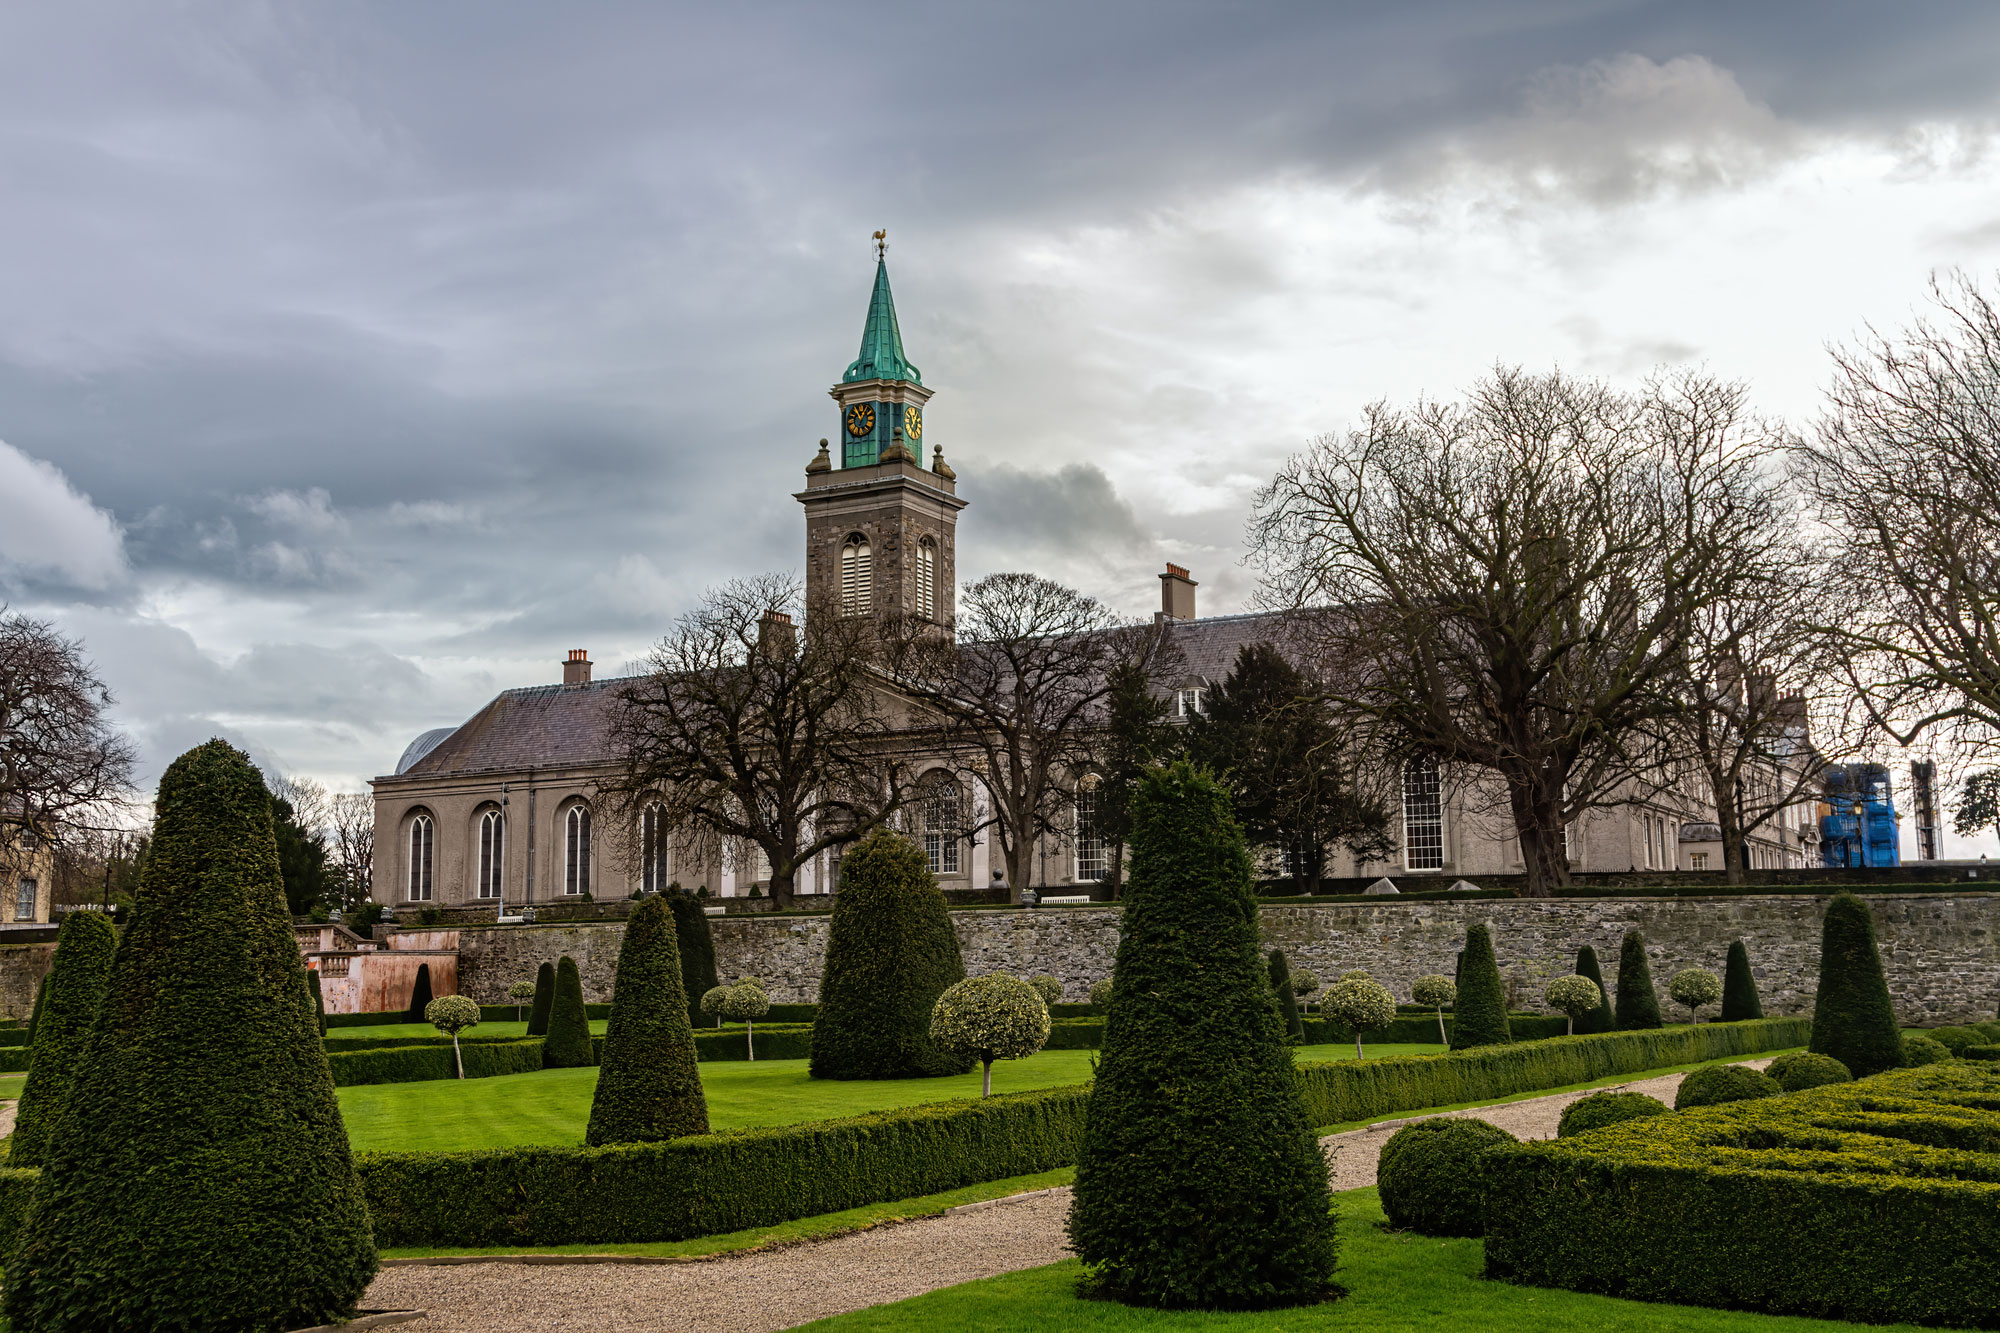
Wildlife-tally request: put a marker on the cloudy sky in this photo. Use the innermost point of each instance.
(356, 361)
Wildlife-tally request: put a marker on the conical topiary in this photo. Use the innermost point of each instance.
(545, 998)
(420, 995)
(697, 949)
(1199, 1183)
(891, 953)
(1288, 1002)
(1479, 1017)
(648, 1089)
(1739, 987)
(1599, 1019)
(35, 1014)
(319, 1000)
(76, 981)
(567, 1045)
(209, 1186)
(1638, 1003)
(1853, 1018)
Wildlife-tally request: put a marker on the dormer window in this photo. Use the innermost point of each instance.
(1189, 701)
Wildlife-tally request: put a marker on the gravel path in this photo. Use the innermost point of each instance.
(760, 1291)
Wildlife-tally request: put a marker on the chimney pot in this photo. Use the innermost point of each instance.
(1177, 594)
(576, 669)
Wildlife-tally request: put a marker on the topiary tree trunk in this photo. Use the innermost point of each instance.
(74, 988)
(420, 995)
(1638, 1004)
(1853, 1018)
(1739, 987)
(697, 949)
(648, 1089)
(1288, 1002)
(210, 1186)
(1479, 1017)
(1599, 1019)
(567, 1045)
(1199, 1182)
(545, 998)
(891, 953)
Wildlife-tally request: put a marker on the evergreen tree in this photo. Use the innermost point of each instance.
(1638, 1004)
(35, 1014)
(302, 861)
(891, 953)
(1288, 1000)
(697, 949)
(318, 999)
(648, 1089)
(75, 988)
(1853, 1018)
(1138, 733)
(1602, 1019)
(567, 1045)
(1199, 1182)
(420, 995)
(545, 998)
(210, 1187)
(1480, 1016)
(1739, 987)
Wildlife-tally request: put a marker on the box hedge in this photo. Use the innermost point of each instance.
(1876, 1201)
(420, 1064)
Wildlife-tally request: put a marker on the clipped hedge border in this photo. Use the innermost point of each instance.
(1876, 1201)
(1414, 1030)
(14, 1059)
(420, 1064)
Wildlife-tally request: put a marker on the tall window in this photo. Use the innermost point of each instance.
(576, 850)
(1189, 701)
(1423, 815)
(423, 850)
(492, 852)
(927, 579)
(941, 828)
(24, 901)
(655, 863)
(1092, 863)
(857, 577)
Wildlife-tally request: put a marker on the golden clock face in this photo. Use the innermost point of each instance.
(860, 419)
(913, 423)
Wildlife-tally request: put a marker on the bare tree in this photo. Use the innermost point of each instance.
(752, 727)
(1019, 700)
(351, 843)
(1514, 577)
(64, 769)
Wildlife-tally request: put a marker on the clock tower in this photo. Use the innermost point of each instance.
(881, 526)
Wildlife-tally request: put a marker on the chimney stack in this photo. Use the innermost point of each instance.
(776, 635)
(1177, 594)
(576, 670)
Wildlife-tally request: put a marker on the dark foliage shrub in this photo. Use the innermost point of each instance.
(648, 1088)
(1431, 1177)
(1603, 1020)
(319, 1000)
(1991, 1031)
(1606, 1108)
(76, 981)
(544, 1002)
(1739, 987)
(1712, 1085)
(1923, 1051)
(697, 948)
(1956, 1038)
(1638, 1003)
(1803, 1069)
(568, 1044)
(1853, 1019)
(1480, 1016)
(1287, 1000)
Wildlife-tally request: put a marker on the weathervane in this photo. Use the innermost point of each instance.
(881, 243)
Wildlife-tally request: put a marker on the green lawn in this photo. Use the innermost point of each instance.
(552, 1106)
(1394, 1281)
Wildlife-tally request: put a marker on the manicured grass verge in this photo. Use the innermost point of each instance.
(1395, 1281)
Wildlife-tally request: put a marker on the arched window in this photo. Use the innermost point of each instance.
(942, 825)
(576, 850)
(655, 850)
(492, 852)
(857, 577)
(927, 579)
(1423, 815)
(423, 854)
(1092, 862)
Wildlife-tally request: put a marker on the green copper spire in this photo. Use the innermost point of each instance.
(881, 341)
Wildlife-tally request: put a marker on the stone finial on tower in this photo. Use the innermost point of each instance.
(939, 466)
(822, 461)
(898, 452)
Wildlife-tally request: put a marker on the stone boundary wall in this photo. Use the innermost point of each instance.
(1941, 951)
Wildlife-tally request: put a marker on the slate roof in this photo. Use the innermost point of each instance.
(1210, 646)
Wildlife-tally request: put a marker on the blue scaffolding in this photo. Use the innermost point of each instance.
(1859, 826)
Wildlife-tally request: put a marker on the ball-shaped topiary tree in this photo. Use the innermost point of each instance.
(990, 1018)
(1802, 1069)
(544, 1002)
(711, 1002)
(212, 1187)
(1304, 983)
(1712, 1085)
(1739, 987)
(1602, 1020)
(451, 1015)
(77, 977)
(890, 954)
(1435, 992)
(1100, 993)
(745, 1003)
(1853, 1018)
(648, 1089)
(1479, 1016)
(1606, 1108)
(1573, 997)
(1363, 1005)
(1693, 987)
(1044, 985)
(1922, 1050)
(1199, 1181)
(1956, 1037)
(1638, 1004)
(1431, 1179)
(521, 992)
(696, 944)
(568, 1044)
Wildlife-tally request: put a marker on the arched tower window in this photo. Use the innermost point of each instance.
(927, 579)
(492, 852)
(423, 857)
(942, 826)
(857, 577)
(1092, 859)
(576, 850)
(1423, 815)
(655, 850)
